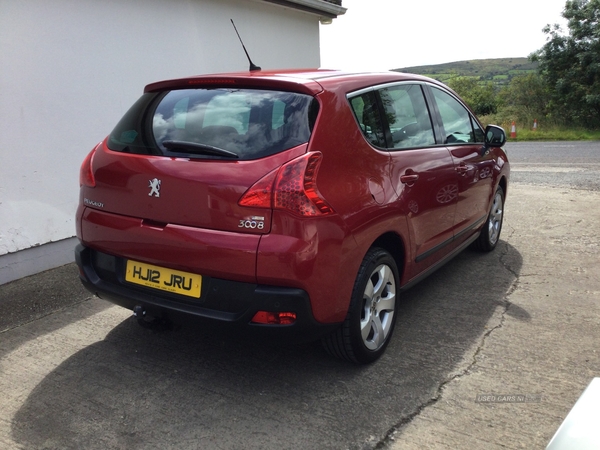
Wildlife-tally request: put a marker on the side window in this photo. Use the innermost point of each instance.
(407, 116)
(367, 113)
(455, 118)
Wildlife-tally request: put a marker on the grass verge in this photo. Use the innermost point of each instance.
(554, 134)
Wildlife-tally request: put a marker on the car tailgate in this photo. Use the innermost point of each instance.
(200, 193)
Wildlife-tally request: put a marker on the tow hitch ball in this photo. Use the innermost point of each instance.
(140, 315)
(139, 312)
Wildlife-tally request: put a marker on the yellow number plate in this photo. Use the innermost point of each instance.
(176, 281)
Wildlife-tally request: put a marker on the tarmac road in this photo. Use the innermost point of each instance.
(76, 372)
(568, 164)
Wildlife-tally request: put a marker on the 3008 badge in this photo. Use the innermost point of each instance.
(252, 223)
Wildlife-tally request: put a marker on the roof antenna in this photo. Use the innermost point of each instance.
(253, 67)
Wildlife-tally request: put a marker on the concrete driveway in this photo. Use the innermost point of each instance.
(490, 352)
(540, 347)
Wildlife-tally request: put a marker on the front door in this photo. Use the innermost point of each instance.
(473, 162)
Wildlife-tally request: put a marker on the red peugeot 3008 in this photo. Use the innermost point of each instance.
(294, 202)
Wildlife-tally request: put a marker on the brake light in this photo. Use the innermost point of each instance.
(274, 318)
(260, 194)
(86, 176)
(292, 188)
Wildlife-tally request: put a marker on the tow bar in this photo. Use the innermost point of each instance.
(153, 323)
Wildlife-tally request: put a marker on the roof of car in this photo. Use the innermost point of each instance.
(309, 81)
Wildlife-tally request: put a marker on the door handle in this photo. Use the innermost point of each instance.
(462, 169)
(409, 178)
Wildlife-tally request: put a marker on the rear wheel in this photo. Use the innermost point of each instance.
(490, 233)
(366, 332)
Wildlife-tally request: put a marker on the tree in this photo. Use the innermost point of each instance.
(525, 98)
(570, 64)
(481, 97)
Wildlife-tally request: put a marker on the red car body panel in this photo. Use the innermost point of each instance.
(309, 254)
(191, 249)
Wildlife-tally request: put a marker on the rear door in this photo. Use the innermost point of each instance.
(422, 172)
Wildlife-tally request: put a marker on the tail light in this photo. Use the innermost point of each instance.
(292, 187)
(86, 176)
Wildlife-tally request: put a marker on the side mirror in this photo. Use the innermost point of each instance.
(495, 136)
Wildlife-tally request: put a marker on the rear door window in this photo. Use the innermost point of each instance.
(407, 116)
(394, 117)
(366, 110)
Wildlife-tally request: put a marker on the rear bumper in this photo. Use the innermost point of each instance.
(231, 304)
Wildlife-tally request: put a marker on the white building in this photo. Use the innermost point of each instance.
(69, 69)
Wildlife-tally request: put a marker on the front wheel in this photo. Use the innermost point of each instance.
(366, 332)
(490, 233)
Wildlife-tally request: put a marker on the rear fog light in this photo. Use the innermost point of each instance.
(274, 318)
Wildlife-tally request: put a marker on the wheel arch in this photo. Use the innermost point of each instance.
(394, 245)
(503, 183)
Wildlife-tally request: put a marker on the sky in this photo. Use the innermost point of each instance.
(378, 35)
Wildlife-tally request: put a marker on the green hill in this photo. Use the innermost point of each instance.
(500, 70)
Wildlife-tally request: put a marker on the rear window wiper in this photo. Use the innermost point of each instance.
(195, 147)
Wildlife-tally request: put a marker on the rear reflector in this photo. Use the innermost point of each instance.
(274, 318)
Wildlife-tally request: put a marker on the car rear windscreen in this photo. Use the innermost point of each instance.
(215, 123)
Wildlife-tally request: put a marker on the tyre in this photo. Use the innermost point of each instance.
(366, 332)
(490, 233)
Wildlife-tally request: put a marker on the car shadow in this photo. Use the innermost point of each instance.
(190, 388)
(35, 297)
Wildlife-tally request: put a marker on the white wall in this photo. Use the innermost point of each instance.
(69, 69)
